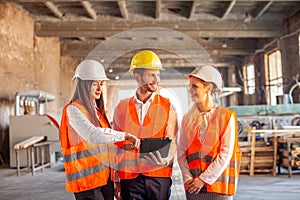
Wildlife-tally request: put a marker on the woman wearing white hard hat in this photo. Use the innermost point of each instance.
(86, 136)
(208, 152)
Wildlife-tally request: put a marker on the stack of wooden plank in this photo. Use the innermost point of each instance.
(259, 155)
(289, 148)
(295, 157)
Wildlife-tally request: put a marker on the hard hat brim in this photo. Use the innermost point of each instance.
(218, 90)
(89, 79)
(193, 75)
(146, 67)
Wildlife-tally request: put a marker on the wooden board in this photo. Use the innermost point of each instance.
(28, 142)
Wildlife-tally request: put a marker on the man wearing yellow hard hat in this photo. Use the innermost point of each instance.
(150, 117)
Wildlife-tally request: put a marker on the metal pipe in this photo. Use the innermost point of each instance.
(291, 92)
(42, 97)
(17, 104)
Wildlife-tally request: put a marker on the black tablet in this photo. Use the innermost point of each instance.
(153, 144)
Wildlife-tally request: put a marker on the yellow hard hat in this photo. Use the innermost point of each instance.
(145, 59)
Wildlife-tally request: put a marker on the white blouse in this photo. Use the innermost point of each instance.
(216, 168)
(88, 131)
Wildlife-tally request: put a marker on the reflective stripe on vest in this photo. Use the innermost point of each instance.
(86, 164)
(87, 172)
(199, 161)
(154, 126)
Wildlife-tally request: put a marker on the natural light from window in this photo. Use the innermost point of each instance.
(274, 80)
(249, 79)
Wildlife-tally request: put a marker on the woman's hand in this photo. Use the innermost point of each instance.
(194, 185)
(133, 139)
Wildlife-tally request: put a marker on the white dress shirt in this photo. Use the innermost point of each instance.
(172, 124)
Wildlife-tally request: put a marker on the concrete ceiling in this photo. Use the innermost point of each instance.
(184, 33)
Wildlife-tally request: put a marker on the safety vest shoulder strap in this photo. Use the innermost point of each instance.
(63, 129)
(81, 107)
(125, 107)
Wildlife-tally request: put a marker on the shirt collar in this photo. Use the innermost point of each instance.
(136, 100)
(212, 110)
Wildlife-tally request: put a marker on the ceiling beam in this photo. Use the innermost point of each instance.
(292, 12)
(89, 9)
(82, 38)
(158, 9)
(53, 8)
(79, 48)
(123, 8)
(122, 67)
(170, 59)
(228, 9)
(260, 10)
(84, 52)
(194, 29)
(192, 34)
(192, 10)
(34, 1)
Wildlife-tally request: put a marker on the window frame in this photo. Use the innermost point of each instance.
(273, 76)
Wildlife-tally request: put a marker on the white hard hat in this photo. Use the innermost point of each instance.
(90, 70)
(208, 74)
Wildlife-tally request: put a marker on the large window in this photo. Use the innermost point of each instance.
(274, 80)
(249, 79)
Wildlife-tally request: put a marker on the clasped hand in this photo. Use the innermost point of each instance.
(194, 186)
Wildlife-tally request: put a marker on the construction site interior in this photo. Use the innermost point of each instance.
(254, 44)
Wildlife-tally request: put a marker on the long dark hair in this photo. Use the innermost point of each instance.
(82, 93)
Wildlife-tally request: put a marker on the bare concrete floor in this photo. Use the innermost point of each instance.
(49, 185)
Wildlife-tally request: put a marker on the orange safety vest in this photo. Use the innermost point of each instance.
(86, 164)
(201, 155)
(154, 126)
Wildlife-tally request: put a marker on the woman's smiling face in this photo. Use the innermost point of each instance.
(197, 89)
(96, 89)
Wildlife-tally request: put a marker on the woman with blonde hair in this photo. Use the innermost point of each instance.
(208, 152)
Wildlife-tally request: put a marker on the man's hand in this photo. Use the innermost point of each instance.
(133, 139)
(117, 191)
(194, 185)
(154, 160)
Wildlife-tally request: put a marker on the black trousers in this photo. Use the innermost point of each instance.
(105, 192)
(146, 188)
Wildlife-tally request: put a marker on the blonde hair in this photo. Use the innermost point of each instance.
(191, 116)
